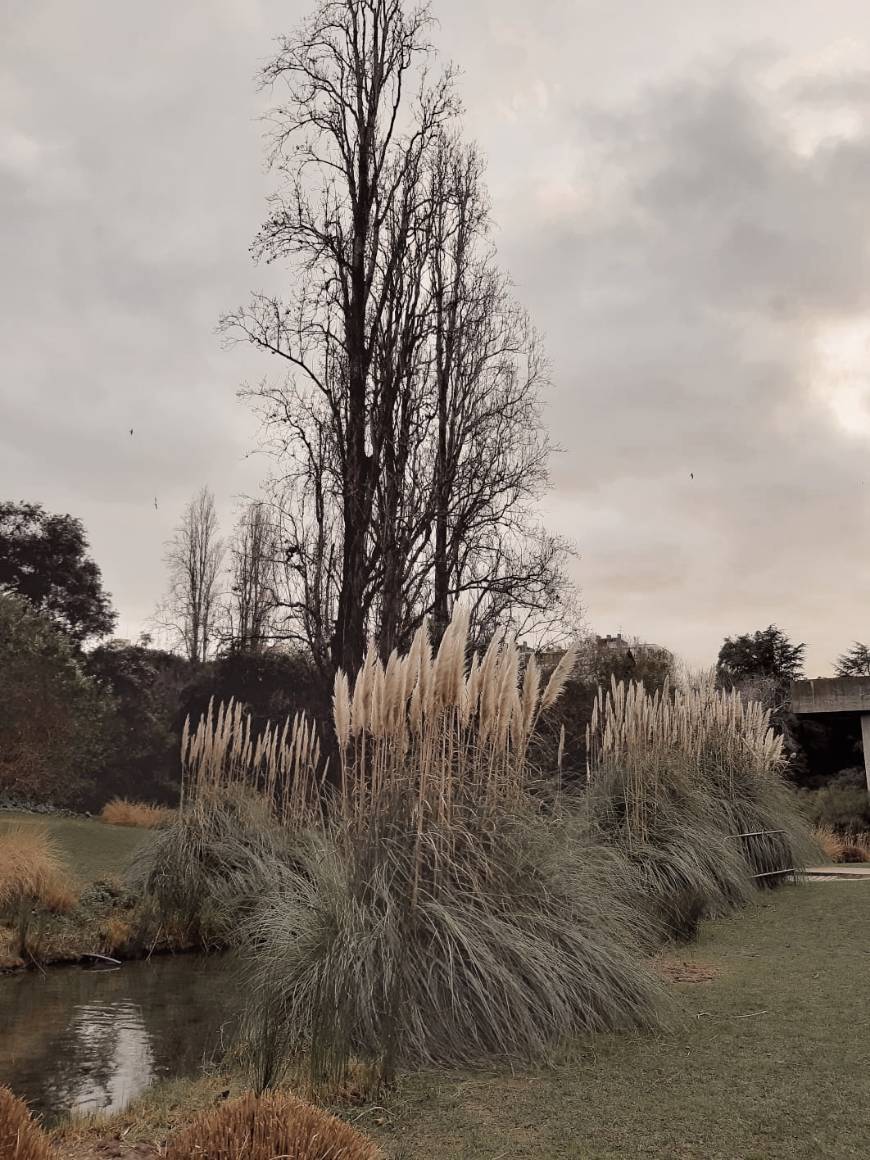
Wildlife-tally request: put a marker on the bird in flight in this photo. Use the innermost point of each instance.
(155, 503)
(691, 475)
(131, 430)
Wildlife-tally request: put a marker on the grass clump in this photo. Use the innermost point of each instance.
(843, 847)
(276, 1124)
(20, 1137)
(690, 785)
(122, 812)
(33, 877)
(208, 868)
(441, 916)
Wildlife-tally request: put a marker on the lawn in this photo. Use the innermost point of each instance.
(769, 1058)
(94, 849)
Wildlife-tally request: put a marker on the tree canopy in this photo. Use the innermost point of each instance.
(52, 713)
(855, 662)
(764, 655)
(45, 559)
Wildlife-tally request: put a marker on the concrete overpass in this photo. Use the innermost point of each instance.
(836, 695)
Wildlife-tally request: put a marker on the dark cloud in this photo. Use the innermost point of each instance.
(682, 201)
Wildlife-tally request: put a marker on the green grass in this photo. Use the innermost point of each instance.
(94, 849)
(770, 1060)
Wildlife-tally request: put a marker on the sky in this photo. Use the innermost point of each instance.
(682, 194)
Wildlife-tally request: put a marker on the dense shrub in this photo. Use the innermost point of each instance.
(52, 714)
(206, 870)
(844, 807)
(146, 689)
(268, 1127)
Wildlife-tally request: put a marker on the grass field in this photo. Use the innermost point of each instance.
(94, 849)
(769, 1060)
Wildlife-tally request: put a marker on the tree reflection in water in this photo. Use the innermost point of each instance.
(90, 1040)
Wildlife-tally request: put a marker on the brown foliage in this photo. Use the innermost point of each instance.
(121, 812)
(33, 871)
(267, 1126)
(20, 1137)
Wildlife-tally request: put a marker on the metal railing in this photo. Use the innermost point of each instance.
(763, 834)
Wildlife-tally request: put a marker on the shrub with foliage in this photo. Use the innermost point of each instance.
(841, 806)
(52, 714)
(146, 688)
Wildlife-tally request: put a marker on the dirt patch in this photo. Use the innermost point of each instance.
(683, 971)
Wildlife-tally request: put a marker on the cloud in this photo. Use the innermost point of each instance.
(685, 315)
(681, 197)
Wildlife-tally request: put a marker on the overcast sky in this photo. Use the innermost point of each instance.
(683, 200)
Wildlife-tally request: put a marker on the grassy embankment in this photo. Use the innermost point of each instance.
(768, 1061)
(102, 921)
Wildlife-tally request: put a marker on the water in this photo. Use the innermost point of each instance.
(84, 1040)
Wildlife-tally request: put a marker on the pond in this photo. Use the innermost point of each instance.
(91, 1039)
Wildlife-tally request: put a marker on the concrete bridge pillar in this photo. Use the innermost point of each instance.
(837, 695)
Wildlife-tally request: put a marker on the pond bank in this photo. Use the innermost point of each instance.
(107, 918)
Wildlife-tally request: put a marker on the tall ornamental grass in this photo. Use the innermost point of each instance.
(690, 783)
(442, 915)
(231, 840)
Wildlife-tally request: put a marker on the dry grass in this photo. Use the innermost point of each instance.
(843, 847)
(121, 812)
(33, 873)
(20, 1137)
(266, 1127)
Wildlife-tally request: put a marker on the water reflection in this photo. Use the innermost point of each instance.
(86, 1040)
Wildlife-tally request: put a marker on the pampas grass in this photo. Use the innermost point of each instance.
(441, 916)
(20, 1137)
(208, 869)
(282, 764)
(123, 812)
(690, 782)
(269, 1127)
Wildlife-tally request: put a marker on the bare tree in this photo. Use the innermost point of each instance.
(194, 557)
(251, 598)
(407, 434)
